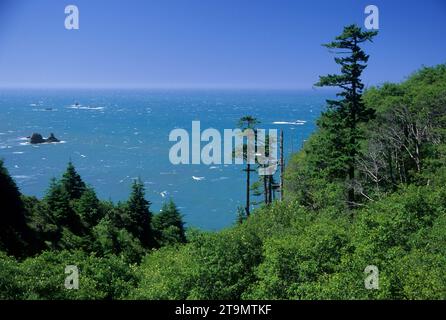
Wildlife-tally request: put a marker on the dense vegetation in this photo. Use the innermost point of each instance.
(390, 213)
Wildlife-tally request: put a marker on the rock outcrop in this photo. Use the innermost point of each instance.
(52, 138)
(37, 138)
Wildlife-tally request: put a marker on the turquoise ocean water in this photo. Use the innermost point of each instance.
(113, 136)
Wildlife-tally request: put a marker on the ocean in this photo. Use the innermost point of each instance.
(114, 136)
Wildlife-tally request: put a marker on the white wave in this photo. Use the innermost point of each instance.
(22, 177)
(198, 178)
(37, 144)
(220, 179)
(122, 180)
(18, 152)
(163, 193)
(86, 108)
(296, 123)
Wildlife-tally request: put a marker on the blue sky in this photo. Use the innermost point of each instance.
(208, 43)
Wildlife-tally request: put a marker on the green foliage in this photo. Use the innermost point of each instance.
(10, 288)
(43, 277)
(341, 123)
(60, 217)
(293, 263)
(14, 233)
(72, 182)
(168, 225)
(139, 217)
(421, 275)
(306, 179)
(308, 247)
(213, 266)
(407, 140)
(241, 215)
(168, 273)
(225, 263)
(87, 207)
(311, 246)
(110, 239)
(57, 201)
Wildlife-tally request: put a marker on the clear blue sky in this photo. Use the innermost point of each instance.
(208, 43)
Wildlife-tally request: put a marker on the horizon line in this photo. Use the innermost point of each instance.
(161, 87)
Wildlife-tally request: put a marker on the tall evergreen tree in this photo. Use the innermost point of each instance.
(344, 116)
(87, 207)
(247, 123)
(72, 182)
(267, 180)
(64, 223)
(14, 232)
(57, 200)
(168, 225)
(139, 215)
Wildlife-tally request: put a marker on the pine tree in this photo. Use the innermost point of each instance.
(14, 232)
(344, 116)
(247, 123)
(57, 200)
(267, 180)
(139, 215)
(168, 225)
(60, 216)
(72, 182)
(87, 207)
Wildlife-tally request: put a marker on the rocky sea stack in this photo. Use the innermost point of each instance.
(37, 138)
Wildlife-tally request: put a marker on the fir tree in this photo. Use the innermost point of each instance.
(72, 182)
(169, 225)
(344, 116)
(60, 215)
(87, 207)
(14, 232)
(139, 216)
(57, 200)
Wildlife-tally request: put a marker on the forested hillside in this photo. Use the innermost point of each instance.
(391, 213)
(316, 245)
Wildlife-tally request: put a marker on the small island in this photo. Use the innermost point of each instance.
(36, 138)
